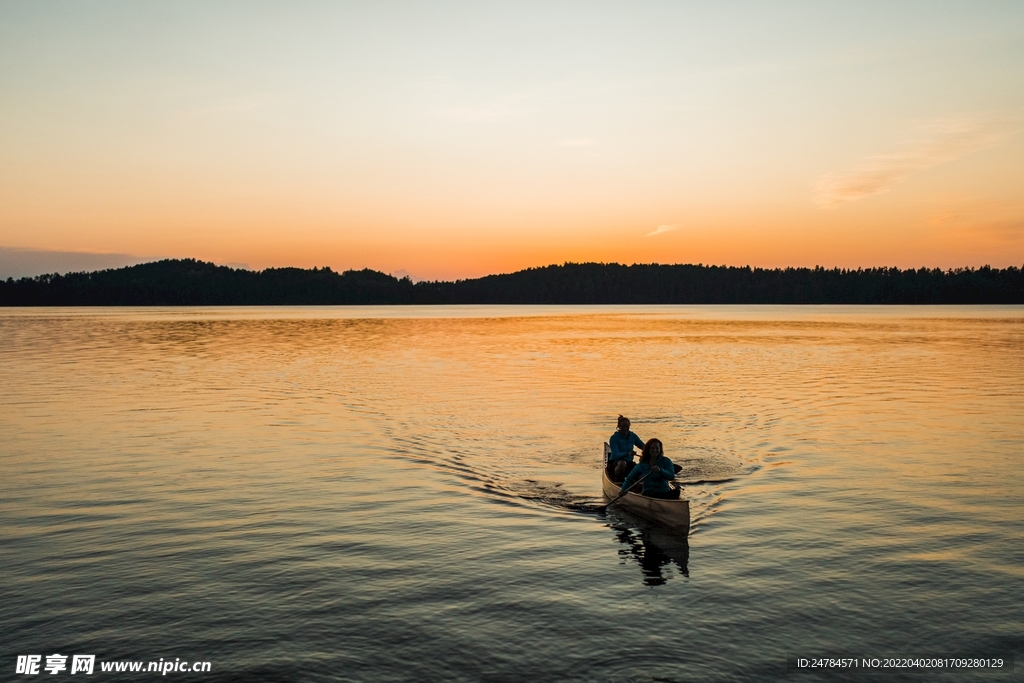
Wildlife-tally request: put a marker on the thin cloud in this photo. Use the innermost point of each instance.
(661, 229)
(402, 272)
(231, 105)
(982, 222)
(484, 113)
(455, 101)
(18, 262)
(936, 143)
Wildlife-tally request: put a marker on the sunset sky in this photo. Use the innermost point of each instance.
(453, 140)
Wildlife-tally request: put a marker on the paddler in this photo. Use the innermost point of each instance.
(620, 459)
(656, 471)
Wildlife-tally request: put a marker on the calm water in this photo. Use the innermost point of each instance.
(401, 494)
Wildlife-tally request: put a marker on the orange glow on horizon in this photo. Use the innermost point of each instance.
(751, 142)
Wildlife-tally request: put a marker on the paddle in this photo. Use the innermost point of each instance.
(605, 507)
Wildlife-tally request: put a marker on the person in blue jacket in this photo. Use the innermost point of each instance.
(656, 471)
(620, 459)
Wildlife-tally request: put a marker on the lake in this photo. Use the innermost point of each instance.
(412, 494)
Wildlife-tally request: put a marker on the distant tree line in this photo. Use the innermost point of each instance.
(196, 283)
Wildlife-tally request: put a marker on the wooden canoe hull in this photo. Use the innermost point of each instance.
(672, 514)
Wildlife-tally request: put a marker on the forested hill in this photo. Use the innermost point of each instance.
(191, 282)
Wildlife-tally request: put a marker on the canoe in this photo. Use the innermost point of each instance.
(671, 514)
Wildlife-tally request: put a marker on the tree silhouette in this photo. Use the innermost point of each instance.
(196, 283)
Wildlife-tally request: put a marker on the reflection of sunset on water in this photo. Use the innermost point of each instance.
(430, 477)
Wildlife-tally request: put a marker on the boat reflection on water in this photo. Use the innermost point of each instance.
(655, 550)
